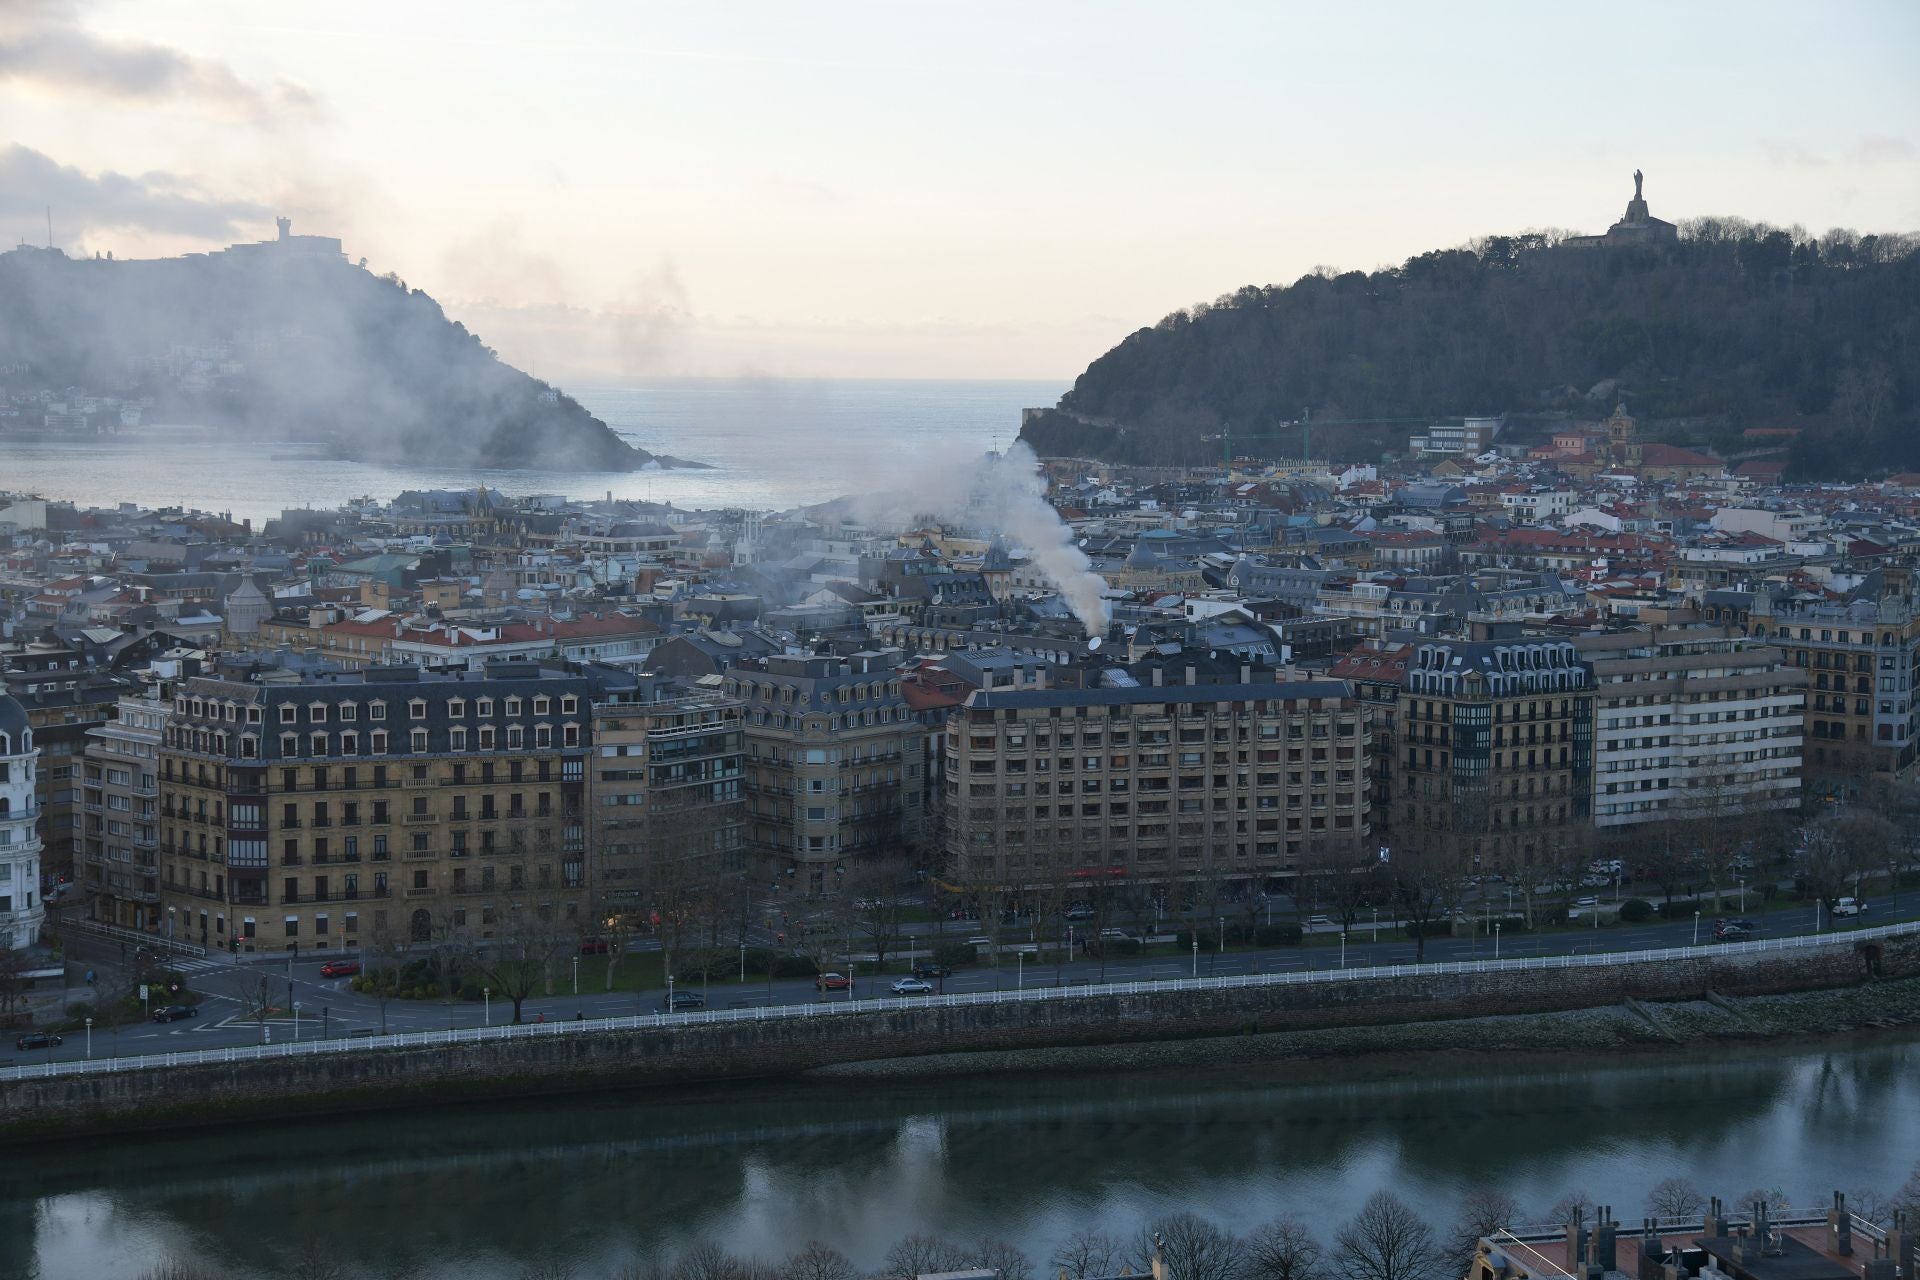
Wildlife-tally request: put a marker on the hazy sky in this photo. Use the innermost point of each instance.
(919, 189)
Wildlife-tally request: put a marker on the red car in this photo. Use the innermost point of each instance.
(832, 982)
(594, 947)
(340, 968)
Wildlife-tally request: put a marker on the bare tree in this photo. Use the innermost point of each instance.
(997, 1255)
(818, 1262)
(15, 983)
(1482, 1213)
(517, 962)
(386, 956)
(1282, 1250)
(706, 1260)
(1675, 1198)
(1776, 1200)
(1907, 1198)
(1087, 1255)
(1191, 1247)
(878, 909)
(1386, 1240)
(1572, 1202)
(1343, 879)
(918, 1255)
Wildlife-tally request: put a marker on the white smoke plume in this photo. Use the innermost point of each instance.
(1004, 495)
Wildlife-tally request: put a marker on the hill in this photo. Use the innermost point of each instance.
(1733, 325)
(286, 340)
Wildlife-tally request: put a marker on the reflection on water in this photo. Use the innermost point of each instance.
(485, 1191)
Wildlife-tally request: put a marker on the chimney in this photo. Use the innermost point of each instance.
(1715, 1222)
(1605, 1231)
(1649, 1242)
(1576, 1236)
(1840, 1227)
(1903, 1245)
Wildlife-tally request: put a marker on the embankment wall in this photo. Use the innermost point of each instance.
(572, 1060)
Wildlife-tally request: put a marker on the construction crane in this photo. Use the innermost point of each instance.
(1305, 425)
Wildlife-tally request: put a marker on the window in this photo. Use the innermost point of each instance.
(417, 709)
(349, 711)
(419, 739)
(289, 713)
(457, 707)
(376, 711)
(484, 706)
(379, 741)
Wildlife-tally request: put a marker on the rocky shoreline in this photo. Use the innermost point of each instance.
(1634, 1027)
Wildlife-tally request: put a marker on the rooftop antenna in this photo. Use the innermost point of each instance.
(49, 226)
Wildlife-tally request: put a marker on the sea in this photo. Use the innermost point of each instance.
(769, 444)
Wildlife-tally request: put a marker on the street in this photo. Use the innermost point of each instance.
(224, 990)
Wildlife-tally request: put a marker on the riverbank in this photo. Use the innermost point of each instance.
(1659, 1029)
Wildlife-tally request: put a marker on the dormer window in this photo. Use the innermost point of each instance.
(543, 705)
(376, 711)
(417, 709)
(349, 711)
(317, 712)
(457, 707)
(569, 705)
(513, 706)
(289, 713)
(485, 706)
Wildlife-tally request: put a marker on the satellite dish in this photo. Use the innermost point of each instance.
(1083, 542)
(1093, 645)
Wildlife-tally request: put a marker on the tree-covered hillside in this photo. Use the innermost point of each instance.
(290, 346)
(1738, 325)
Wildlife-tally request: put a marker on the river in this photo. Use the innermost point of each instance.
(595, 1182)
(771, 443)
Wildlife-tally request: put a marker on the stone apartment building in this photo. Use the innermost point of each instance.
(1692, 723)
(834, 763)
(21, 910)
(118, 851)
(663, 790)
(1153, 786)
(62, 705)
(1862, 658)
(1494, 750)
(344, 808)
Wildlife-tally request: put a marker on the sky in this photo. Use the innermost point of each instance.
(916, 189)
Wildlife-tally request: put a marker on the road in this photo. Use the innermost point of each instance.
(225, 989)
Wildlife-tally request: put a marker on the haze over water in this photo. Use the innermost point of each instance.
(773, 443)
(488, 1191)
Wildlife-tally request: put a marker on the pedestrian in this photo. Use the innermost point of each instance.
(89, 977)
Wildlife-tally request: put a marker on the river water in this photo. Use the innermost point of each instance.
(596, 1182)
(772, 443)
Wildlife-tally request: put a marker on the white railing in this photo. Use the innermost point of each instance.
(119, 933)
(830, 1008)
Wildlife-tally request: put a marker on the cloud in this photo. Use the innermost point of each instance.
(1867, 149)
(159, 202)
(43, 45)
(1880, 148)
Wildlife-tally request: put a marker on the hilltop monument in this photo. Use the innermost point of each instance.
(1639, 228)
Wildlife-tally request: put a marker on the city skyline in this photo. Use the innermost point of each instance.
(921, 192)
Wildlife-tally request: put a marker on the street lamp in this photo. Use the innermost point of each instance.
(1696, 928)
(1196, 953)
(89, 1037)
(1743, 895)
(486, 1004)
(296, 1022)
(1496, 939)
(576, 975)
(1020, 970)
(1222, 924)
(743, 961)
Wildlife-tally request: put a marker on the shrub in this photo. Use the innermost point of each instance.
(1636, 911)
(794, 967)
(1277, 935)
(1116, 946)
(1678, 910)
(1432, 928)
(955, 954)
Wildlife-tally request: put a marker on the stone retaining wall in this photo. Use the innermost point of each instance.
(569, 1061)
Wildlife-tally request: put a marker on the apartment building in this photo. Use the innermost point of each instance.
(834, 763)
(21, 910)
(62, 706)
(1494, 755)
(118, 852)
(330, 810)
(1862, 657)
(663, 789)
(1692, 722)
(1155, 785)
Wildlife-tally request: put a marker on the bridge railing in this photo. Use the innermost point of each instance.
(878, 1006)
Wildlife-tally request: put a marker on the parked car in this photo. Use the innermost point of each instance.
(832, 982)
(594, 947)
(37, 1040)
(174, 1012)
(1079, 913)
(340, 969)
(913, 987)
(681, 1001)
(1751, 926)
(1849, 907)
(926, 969)
(1729, 931)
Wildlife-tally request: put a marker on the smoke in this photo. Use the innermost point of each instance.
(1004, 495)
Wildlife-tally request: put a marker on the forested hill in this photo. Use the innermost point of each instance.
(1737, 325)
(289, 345)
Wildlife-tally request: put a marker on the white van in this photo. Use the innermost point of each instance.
(1849, 907)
